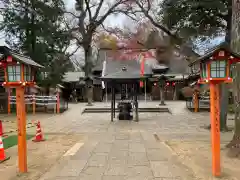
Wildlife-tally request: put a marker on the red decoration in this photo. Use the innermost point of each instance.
(9, 59)
(1, 128)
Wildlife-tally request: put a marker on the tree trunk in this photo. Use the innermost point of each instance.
(161, 88)
(224, 99)
(87, 69)
(175, 93)
(235, 143)
(224, 106)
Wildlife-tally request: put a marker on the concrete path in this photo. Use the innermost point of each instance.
(123, 150)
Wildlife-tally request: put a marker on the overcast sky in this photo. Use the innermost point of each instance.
(112, 21)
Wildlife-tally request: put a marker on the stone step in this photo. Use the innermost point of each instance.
(140, 110)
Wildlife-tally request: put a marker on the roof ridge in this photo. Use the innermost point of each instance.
(11, 51)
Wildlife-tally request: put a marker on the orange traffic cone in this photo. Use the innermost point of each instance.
(39, 135)
(2, 153)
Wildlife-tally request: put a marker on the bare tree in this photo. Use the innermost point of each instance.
(148, 9)
(88, 16)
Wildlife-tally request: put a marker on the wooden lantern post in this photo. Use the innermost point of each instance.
(58, 90)
(18, 75)
(9, 100)
(215, 68)
(196, 101)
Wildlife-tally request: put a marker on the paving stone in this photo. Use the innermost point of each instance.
(143, 171)
(62, 178)
(98, 159)
(93, 170)
(113, 177)
(152, 145)
(82, 155)
(158, 155)
(83, 176)
(148, 136)
(136, 147)
(122, 136)
(103, 147)
(116, 170)
(53, 171)
(85, 151)
(137, 159)
(166, 169)
(135, 137)
(177, 178)
(150, 177)
(118, 157)
(72, 168)
(120, 145)
(122, 149)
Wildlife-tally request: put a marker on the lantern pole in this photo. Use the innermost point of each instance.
(21, 118)
(215, 128)
(9, 100)
(196, 101)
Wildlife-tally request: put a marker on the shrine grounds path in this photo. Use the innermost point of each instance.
(161, 146)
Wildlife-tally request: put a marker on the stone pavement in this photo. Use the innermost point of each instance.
(123, 156)
(125, 150)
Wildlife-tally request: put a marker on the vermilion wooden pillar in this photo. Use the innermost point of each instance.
(215, 128)
(9, 100)
(34, 104)
(196, 101)
(21, 121)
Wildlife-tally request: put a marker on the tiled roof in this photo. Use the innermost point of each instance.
(18, 57)
(114, 66)
(125, 73)
(208, 54)
(176, 65)
(25, 59)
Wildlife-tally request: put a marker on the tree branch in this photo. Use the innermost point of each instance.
(74, 15)
(110, 11)
(69, 55)
(164, 29)
(97, 11)
(88, 9)
(126, 13)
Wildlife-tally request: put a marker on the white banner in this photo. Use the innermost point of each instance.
(103, 72)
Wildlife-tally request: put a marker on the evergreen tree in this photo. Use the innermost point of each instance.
(197, 18)
(34, 28)
(201, 19)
